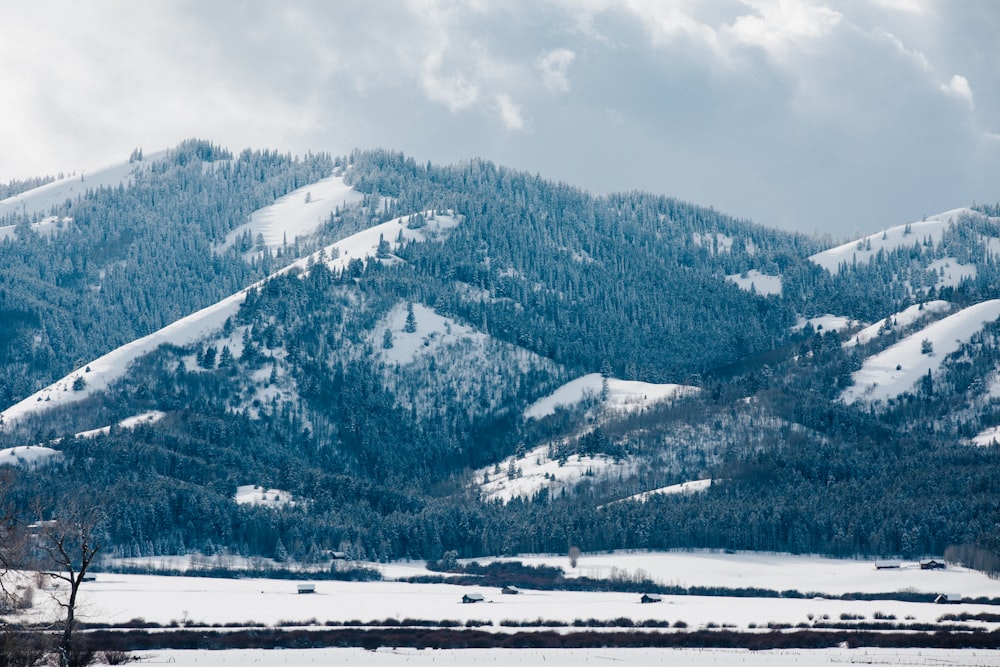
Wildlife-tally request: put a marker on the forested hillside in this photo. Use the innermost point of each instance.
(381, 384)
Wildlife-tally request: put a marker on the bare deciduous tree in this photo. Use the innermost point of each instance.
(68, 545)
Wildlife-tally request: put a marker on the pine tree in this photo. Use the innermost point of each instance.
(411, 319)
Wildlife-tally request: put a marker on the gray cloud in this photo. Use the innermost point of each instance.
(828, 117)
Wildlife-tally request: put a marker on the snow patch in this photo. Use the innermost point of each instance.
(128, 423)
(864, 250)
(951, 272)
(29, 456)
(431, 333)
(258, 496)
(898, 368)
(622, 395)
(297, 214)
(693, 486)
(760, 283)
(717, 243)
(43, 198)
(44, 227)
(524, 477)
(825, 323)
(903, 318)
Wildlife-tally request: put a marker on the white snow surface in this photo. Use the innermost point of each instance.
(292, 216)
(903, 318)
(117, 598)
(762, 284)
(987, 437)
(634, 657)
(150, 417)
(197, 326)
(43, 198)
(896, 369)
(694, 486)
(951, 272)
(834, 259)
(824, 323)
(717, 243)
(537, 470)
(258, 496)
(432, 332)
(44, 227)
(623, 395)
(28, 456)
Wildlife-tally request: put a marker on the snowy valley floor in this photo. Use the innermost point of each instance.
(576, 657)
(159, 614)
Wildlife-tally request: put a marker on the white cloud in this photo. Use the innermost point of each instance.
(510, 112)
(958, 87)
(554, 67)
(453, 90)
(784, 27)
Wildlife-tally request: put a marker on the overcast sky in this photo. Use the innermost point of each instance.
(836, 117)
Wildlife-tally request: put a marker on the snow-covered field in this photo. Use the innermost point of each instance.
(117, 598)
(634, 657)
(188, 601)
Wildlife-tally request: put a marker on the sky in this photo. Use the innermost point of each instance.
(824, 117)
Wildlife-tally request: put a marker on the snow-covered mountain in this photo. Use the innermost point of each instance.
(372, 355)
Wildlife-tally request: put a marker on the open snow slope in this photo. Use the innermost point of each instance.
(694, 486)
(863, 250)
(762, 284)
(898, 368)
(99, 374)
(28, 456)
(43, 198)
(903, 318)
(622, 395)
(297, 214)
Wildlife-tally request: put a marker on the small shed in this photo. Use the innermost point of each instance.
(932, 564)
(470, 598)
(510, 590)
(306, 588)
(648, 598)
(888, 565)
(948, 598)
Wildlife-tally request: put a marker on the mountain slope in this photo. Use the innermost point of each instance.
(377, 367)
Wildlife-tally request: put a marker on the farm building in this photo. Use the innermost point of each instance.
(470, 598)
(648, 598)
(932, 564)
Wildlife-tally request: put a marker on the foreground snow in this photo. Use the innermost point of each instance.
(637, 657)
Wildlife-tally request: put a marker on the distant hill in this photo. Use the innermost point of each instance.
(414, 359)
